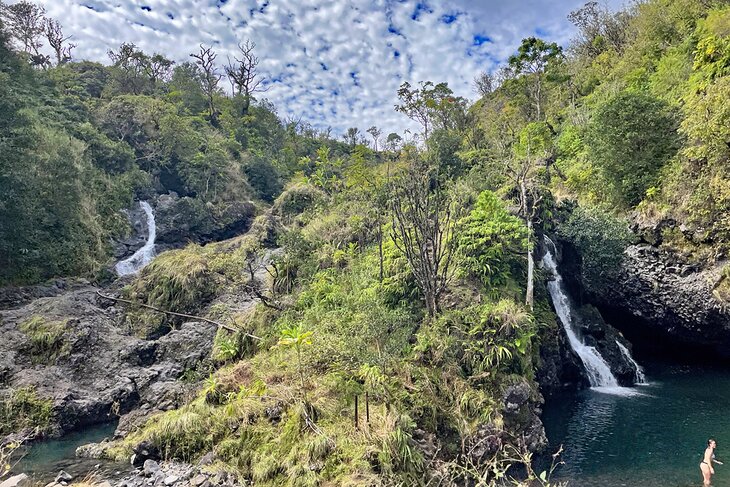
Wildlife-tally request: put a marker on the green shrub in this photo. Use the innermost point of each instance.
(488, 238)
(22, 408)
(46, 338)
(601, 239)
(179, 281)
(630, 138)
(297, 199)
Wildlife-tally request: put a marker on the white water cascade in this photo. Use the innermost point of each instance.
(144, 255)
(639, 376)
(599, 373)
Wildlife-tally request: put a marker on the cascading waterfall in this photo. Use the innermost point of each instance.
(599, 373)
(143, 256)
(639, 376)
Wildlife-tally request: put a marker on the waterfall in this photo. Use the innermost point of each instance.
(143, 256)
(599, 373)
(639, 376)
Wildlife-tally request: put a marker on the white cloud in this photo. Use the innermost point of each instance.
(333, 62)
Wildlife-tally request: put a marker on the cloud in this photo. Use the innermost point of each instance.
(334, 63)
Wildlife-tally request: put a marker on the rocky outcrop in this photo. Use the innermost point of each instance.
(181, 220)
(101, 369)
(669, 296)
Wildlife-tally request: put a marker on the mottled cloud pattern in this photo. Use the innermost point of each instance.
(333, 62)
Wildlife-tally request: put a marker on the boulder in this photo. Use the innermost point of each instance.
(150, 467)
(64, 476)
(20, 480)
(143, 452)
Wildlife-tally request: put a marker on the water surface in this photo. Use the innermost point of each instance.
(44, 459)
(651, 439)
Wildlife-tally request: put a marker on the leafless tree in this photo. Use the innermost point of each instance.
(205, 59)
(259, 263)
(423, 222)
(485, 83)
(243, 74)
(57, 41)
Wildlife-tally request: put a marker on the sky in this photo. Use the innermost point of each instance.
(334, 63)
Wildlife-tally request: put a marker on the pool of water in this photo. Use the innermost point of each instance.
(654, 438)
(44, 459)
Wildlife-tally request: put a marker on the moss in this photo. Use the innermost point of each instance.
(46, 339)
(23, 408)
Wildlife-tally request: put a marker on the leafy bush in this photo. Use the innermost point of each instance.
(488, 238)
(630, 138)
(297, 199)
(600, 238)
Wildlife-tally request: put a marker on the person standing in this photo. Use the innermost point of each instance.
(707, 461)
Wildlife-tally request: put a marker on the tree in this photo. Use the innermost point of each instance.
(130, 71)
(375, 133)
(533, 58)
(534, 149)
(205, 59)
(630, 138)
(351, 135)
(599, 29)
(26, 23)
(485, 83)
(393, 141)
(185, 87)
(432, 106)
(243, 74)
(57, 41)
(423, 223)
(158, 69)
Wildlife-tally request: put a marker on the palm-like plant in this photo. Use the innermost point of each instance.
(296, 337)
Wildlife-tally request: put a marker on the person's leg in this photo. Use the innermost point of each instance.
(705, 474)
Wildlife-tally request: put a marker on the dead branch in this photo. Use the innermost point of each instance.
(181, 315)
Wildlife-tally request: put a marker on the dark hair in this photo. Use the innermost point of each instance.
(710, 441)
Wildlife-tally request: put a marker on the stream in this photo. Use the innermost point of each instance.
(654, 438)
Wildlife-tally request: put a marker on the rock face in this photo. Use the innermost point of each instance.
(671, 297)
(102, 369)
(180, 220)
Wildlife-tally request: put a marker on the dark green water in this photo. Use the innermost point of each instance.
(44, 459)
(652, 439)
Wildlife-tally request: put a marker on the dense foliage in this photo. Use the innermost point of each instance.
(398, 274)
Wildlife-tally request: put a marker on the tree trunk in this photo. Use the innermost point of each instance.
(530, 297)
(380, 249)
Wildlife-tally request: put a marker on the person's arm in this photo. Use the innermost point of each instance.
(718, 462)
(708, 460)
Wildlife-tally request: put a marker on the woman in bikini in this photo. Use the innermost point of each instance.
(707, 460)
